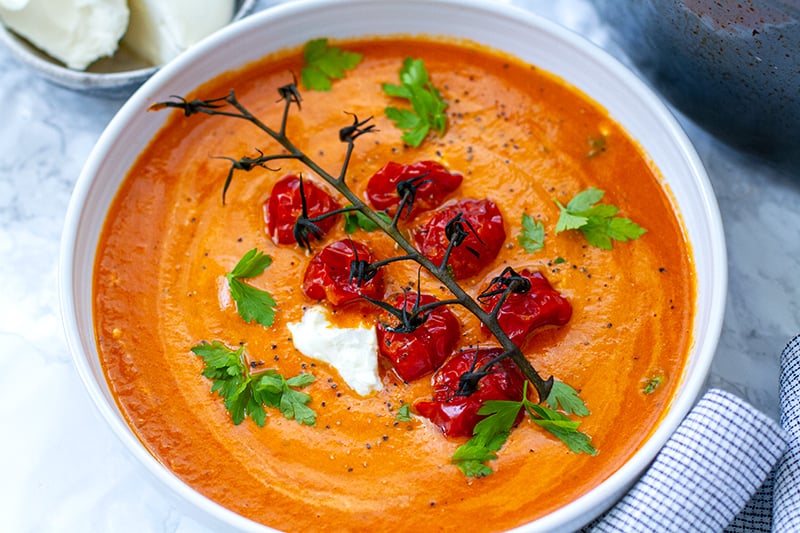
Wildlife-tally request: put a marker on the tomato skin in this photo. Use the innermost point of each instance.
(522, 314)
(436, 183)
(327, 275)
(416, 354)
(475, 252)
(455, 415)
(284, 205)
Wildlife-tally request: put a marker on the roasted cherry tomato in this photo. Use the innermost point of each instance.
(420, 352)
(284, 205)
(525, 312)
(428, 183)
(479, 225)
(329, 274)
(456, 415)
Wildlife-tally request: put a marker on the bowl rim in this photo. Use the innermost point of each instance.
(572, 515)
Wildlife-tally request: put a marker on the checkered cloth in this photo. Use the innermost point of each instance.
(727, 468)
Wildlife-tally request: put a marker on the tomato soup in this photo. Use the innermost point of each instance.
(520, 138)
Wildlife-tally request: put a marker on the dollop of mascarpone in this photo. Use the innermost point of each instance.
(161, 29)
(76, 32)
(353, 352)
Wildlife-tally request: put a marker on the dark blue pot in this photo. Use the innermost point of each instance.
(733, 66)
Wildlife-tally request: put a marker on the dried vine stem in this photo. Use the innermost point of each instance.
(349, 134)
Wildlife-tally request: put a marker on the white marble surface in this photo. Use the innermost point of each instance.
(62, 468)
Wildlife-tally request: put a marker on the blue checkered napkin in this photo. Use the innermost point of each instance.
(756, 517)
(776, 506)
(786, 492)
(717, 460)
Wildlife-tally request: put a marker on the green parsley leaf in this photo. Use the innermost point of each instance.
(252, 264)
(531, 238)
(252, 303)
(597, 145)
(427, 105)
(559, 424)
(489, 436)
(472, 456)
(221, 362)
(325, 63)
(245, 394)
(300, 380)
(354, 220)
(502, 414)
(571, 216)
(562, 427)
(585, 200)
(403, 414)
(566, 398)
(599, 223)
(293, 406)
(652, 384)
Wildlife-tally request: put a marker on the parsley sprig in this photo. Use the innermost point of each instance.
(491, 432)
(531, 237)
(599, 223)
(427, 105)
(252, 303)
(246, 394)
(325, 63)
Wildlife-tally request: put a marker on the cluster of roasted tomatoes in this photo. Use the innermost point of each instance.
(419, 191)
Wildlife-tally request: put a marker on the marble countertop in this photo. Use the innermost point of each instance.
(65, 471)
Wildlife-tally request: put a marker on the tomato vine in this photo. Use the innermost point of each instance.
(457, 229)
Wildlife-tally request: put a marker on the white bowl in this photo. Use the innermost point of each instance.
(117, 75)
(550, 47)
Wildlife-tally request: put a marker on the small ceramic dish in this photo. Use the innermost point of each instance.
(116, 75)
(730, 66)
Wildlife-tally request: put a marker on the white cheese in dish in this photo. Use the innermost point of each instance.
(76, 32)
(353, 352)
(161, 29)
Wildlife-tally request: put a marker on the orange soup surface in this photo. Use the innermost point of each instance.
(519, 137)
